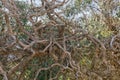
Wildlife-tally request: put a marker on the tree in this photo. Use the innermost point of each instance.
(48, 41)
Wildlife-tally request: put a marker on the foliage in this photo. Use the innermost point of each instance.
(60, 40)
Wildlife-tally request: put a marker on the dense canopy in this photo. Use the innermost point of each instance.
(59, 39)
